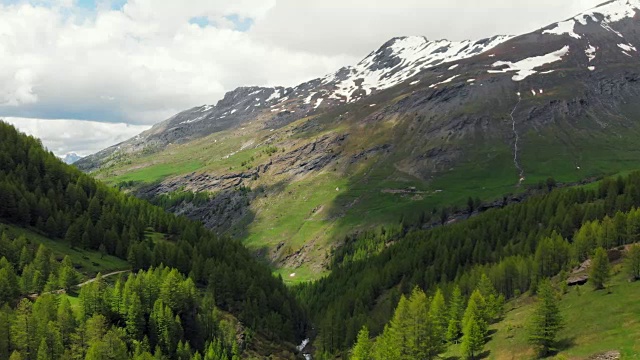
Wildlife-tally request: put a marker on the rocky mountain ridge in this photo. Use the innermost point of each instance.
(394, 62)
(401, 133)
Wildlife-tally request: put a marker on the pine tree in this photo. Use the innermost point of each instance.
(9, 288)
(476, 310)
(385, 348)
(439, 317)
(632, 262)
(424, 341)
(110, 347)
(23, 330)
(546, 320)
(493, 303)
(454, 327)
(363, 346)
(473, 337)
(74, 234)
(68, 275)
(135, 318)
(66, 321)
(43, 350)
(600, 269)
(5, 332)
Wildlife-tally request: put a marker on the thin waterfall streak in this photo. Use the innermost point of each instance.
(516, 162)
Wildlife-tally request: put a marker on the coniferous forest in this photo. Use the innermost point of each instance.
(393, 293)
(511, 250)
(187, 295)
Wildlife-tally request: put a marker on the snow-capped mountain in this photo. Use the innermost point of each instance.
(393, 63)
(595, 38)
(398, 60)
(71, 158)
(411, 120)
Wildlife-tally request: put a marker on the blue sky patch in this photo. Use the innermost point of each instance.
(201, 21)
(240, 24)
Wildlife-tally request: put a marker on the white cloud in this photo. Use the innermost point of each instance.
(357, 27)
(82, 137)
(138, 65)
(145, 61)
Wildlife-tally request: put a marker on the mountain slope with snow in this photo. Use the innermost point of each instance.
(393, 63)
(415, 126)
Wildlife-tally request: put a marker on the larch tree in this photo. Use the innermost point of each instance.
(546, 320)
(424, 339)
(476, 308)
(632, 262)
(473, 337)
(135, 318)
(456, 310)
(23, 330)
(600, 269)
(363, 346)
(439, 318)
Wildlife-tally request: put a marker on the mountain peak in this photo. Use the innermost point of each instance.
(71, 158)
(611, 11)
(602, 15)
(400, 58)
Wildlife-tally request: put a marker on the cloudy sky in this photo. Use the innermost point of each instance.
(85, 74)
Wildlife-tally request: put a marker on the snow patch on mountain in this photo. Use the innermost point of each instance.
(398, 60)
(565, 27)
(308, 99)
(274, 96)
(612, 11)
(627, 47)
(526, 67)
(444, 82)
(604, 14)
(590, 52)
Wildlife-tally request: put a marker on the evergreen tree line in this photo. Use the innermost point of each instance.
(362, 245)
(422, 327)
(516, 246)
(173, 199)
(38, 191)
(154, 314)
(27, 269)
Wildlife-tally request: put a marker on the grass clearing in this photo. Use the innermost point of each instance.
(156, 172)
(596, 322)
(90, 262)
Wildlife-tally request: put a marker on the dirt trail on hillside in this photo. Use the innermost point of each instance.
(62, 291)
(103, 276)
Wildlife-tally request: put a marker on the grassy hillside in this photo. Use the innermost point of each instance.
(394, 155)
(596, 322)
(306, 215)
(88, 262)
